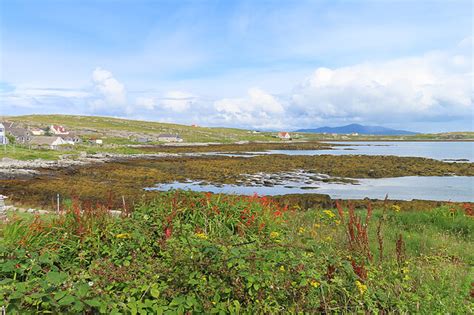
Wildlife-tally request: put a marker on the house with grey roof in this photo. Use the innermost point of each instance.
(21, 135)
(71, 138)
(47, 142)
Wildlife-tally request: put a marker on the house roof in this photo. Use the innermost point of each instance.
(44, 140)
(58, 128)
(7, 124)
(19, 132)
(283, 133)
(68, 136)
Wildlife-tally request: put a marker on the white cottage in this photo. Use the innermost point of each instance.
(3, 136)
(47, 142)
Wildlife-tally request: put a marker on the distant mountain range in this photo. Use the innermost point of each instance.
(360, 129)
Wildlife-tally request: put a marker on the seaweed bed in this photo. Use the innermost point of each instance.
(107, 183)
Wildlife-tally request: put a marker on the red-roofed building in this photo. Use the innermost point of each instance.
(58, 130)
(284, 135)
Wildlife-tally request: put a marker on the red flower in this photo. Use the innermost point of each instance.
(168, 232)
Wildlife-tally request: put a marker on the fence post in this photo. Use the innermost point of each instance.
(57, 201)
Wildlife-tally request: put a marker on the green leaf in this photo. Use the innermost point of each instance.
(93, 303)
(59, 295)
(155, 293)
(67, 300)
(55, 277)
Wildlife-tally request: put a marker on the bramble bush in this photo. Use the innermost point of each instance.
(201, 253)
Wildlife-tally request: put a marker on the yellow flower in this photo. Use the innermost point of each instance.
(201, 236)
(282, 268)
(329, 213)
(274, 234)
(396, 208)
(316, 225)
(122, 235)
(315, 284)
(361, 287)
(301, 230)
(337, 222)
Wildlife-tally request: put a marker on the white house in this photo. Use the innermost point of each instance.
(37, 132)
(284, 135)
(47, 142)
(3, 136)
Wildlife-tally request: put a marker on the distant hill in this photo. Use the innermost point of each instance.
(360, 129)
(110, 127)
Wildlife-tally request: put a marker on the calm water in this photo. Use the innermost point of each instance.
(452, 188)
(433, 150)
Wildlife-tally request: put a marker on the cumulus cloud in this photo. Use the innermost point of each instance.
(257, 108)
(433, 85)
(148, 103)
(436, 86)
(111, 93)
(177, 101)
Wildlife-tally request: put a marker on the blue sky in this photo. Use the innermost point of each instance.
(254, 64)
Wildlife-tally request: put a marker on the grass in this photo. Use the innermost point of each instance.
(23, 153)
(203, 253)
(120, 128)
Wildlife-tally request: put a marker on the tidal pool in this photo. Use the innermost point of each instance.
(445, 151)
(439, 188)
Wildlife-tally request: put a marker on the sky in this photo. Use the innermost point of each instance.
(268, 65)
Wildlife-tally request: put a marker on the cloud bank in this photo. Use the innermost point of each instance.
(436, 86)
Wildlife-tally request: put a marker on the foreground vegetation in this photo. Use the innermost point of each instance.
(187, 252)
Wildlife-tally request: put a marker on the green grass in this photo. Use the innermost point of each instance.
(106, 126)
(23, 153)
(202, 253)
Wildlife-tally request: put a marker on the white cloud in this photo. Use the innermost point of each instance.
(431, 85)
(177, 101)
(258, 109)
(146, 102)
(112, 93)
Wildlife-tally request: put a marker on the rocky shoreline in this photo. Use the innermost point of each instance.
(14, 169)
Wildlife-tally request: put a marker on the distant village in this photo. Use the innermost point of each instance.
(57, 136)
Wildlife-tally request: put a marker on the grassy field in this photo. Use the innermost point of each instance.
(201, 253)
(116, 130)
(107, 126)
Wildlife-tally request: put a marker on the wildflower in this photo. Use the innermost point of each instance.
(274, 234)
(316, 225)
(329, 213)
(91, 283)
(122, 235)
(282, 268)
(301, 230)
(315, 284)
(337, 222)
(396, 208)
(361, 287)
(201, 236)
